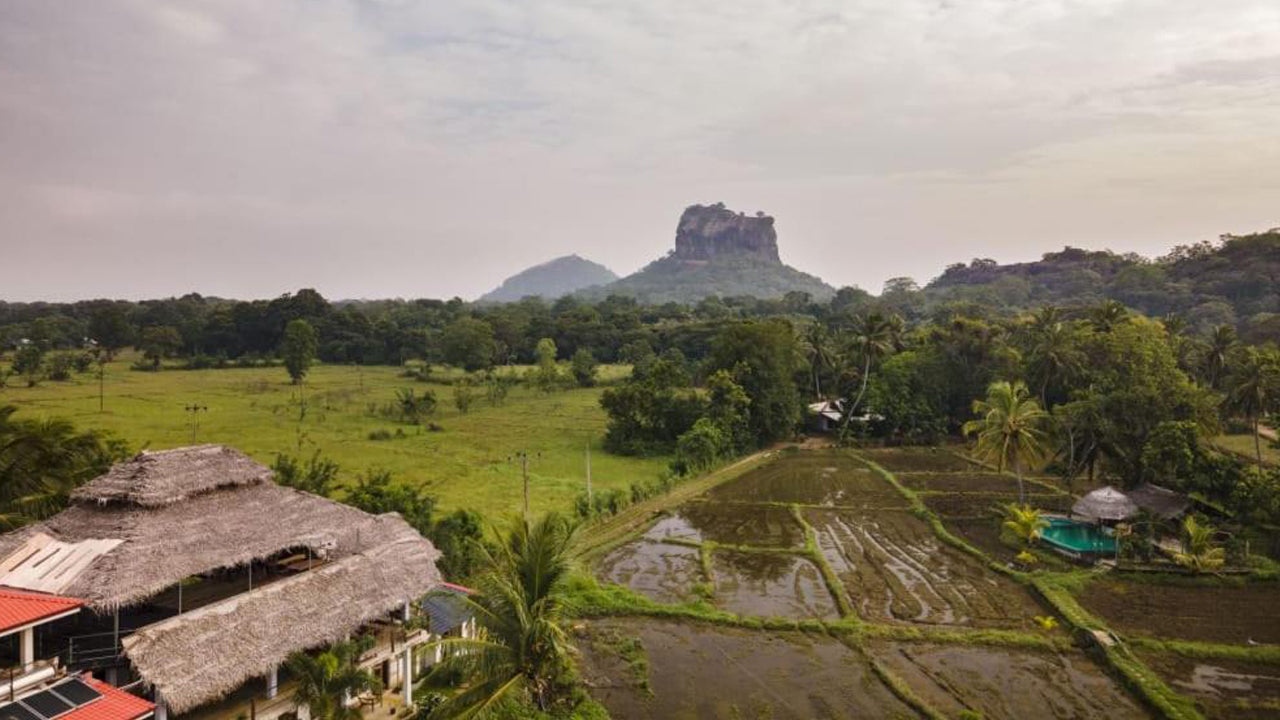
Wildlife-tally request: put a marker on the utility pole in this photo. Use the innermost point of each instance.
(195, 409)
(590, 502)
(524, 471)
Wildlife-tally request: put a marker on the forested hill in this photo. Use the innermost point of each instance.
(1236, 282)
(551, 280)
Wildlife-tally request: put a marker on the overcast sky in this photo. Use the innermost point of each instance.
(419, 148)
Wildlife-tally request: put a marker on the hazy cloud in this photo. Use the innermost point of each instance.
(411, 148)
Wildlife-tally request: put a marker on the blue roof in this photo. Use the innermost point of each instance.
(446, 609)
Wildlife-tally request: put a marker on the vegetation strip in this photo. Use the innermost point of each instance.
(834, 586)
(1137, 676)
(1268, 654)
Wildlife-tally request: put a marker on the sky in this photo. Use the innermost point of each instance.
(418, 148)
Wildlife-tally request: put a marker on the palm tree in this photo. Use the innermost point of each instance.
(1107, 315)
(1024, 523)
(519, 606)
(1009, 429)
(817, 349)
(42, 461)
(874, 337)
(1053, 356)
(1217, 355)
(1198, 551)
(1253, 388)
(327, 681)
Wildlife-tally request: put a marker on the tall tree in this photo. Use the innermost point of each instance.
(1217, 355)
(1009, 429)
(874, 337)
(298, 349)
(520, 607)
(1253, 389)
(1054, 355)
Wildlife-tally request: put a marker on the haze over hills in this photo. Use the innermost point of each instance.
(552, 279)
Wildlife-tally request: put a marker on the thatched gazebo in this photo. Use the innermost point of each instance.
(162, 517)
(1105, 504)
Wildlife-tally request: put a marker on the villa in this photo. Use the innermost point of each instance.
(188, 576)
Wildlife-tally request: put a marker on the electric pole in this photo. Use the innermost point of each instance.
(524, 472)
(590, 503)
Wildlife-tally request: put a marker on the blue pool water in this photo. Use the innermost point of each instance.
(1078, 537)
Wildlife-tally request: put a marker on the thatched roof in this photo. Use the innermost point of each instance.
(218, 525)
(1161, 502)
(156, 479)
(1106, 503)
(202, 655)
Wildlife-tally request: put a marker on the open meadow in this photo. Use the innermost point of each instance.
(467, 463)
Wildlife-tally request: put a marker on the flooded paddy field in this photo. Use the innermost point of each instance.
(988, 504)
(1224, 689)
(697, 671)
(741, 524)
(771, 585)
(663, 572)
(1005, 684)
(1213, 613)
(961, 482)
(829, 478)
(898, 460)
(896, 570)
(984, 534)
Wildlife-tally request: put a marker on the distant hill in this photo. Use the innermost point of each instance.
(1234, 281)
(717, 252)
(553, 279)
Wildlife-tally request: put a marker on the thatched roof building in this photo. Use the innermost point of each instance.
(1105, 503)
(1161, 502)
(165, 516)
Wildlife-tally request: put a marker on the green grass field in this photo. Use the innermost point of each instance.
(257, 410)
(1242, 445)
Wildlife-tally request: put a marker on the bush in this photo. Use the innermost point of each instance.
(583, 366)
(60, 366)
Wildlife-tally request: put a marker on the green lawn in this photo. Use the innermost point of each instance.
(1243, 446)
(257, 410)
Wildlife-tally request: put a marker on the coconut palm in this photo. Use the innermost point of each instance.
(874, 336)
(1198, 551)
(1217, 354)
(816, 345)
(327, 681)
(519, 607)
(1053, 356)
(1024, 523)
(1009, 429)
(1107, 315)
(1253, 389)
(42, 461)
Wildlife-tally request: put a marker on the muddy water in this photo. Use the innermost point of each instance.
(894, 569)
(771, 586)
(828, 477)
(1231, 614)
(701, 672)
(918, 460)
(963, 482)
(1227, 689)
(663, 572)
(1005, 684)
(732, 524)
(971, 505)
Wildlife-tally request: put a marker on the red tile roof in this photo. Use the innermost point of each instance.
(19, 608)
(115, 704)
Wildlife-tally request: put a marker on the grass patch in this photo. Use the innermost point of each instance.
(631, 651)
(1268, 654)
(829, 577)
(953, 636)
(256, 410)
(900, 688)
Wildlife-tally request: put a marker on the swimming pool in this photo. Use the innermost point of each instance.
(1077, 537)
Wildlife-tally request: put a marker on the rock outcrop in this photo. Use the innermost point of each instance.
(706, 232)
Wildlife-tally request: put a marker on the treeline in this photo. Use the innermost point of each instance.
(1122, 395)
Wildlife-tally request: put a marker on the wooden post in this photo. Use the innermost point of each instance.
(179, 597)
(115, 633)
(273, 682)
(590, 504)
